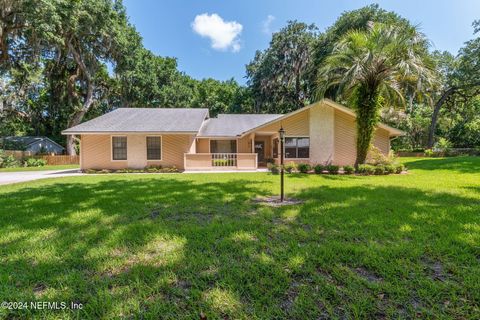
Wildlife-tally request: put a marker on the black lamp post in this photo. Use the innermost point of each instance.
(281, 133)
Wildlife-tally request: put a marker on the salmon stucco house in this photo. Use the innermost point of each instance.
(323, 132)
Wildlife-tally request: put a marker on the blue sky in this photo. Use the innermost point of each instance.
(216, 38)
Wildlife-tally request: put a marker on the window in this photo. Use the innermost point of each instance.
(154, 148)
(119, 148)
(223, 146)
(297, 147)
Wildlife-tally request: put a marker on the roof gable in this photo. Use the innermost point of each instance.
(228, 125)
(392, 131)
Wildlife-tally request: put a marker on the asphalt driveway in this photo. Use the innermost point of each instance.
(22, 176)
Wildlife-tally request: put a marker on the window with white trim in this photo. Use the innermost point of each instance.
(119, 148)
(297, 147)
(154, 148)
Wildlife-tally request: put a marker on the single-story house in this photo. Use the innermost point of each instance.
(323, 132)
(32, 144)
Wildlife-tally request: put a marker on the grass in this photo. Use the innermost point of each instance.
(179, 246)
(58, 167)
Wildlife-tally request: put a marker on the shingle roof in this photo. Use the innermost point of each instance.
(23, 140)
(144, 120)
(27, 140)
(191, 120)
(227, 125)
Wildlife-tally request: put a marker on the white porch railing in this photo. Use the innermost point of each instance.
(206, 161)
(224, 159)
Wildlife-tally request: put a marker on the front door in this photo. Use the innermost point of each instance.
(260, 150)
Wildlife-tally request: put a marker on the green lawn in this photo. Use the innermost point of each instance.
(59, 167)
(177, 246)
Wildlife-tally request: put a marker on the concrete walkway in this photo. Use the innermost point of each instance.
(22, 176)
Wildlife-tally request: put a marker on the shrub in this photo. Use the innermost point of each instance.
(348, 169)
(379, 170)
(153, 168)
(149, 169)
(304, 167)
(443, 146)
(399, 167)
(376, 157)
(8, 161)
(390, 168)
(290, 167)
(366, 169)
(319, 168)
(169, 170)
(429, 153)
(273, 168)
(332, 169)
(32, 162)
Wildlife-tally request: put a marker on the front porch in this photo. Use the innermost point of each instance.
(221, 161)
(249, 152)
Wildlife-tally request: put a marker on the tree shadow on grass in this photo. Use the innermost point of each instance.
(176, 248)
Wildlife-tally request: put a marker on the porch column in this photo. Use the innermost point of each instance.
(252, 139)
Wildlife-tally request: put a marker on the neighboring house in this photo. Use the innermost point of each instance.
(35, 145)
(323, 132)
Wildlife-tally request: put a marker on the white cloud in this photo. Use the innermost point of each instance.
(267, 23)
(223, 35)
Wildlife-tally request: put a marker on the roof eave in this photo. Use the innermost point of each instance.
(278, 119)
(66, 132)
(218, 137)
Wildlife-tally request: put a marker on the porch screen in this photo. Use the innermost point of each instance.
(223, 146)
(297, 147)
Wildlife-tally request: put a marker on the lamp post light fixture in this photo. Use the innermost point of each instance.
(281, 133)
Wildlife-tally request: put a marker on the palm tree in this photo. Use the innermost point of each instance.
(370, 68)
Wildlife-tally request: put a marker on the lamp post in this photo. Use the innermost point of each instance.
(281, 133)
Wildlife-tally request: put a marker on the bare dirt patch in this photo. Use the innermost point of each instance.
(290, 296)
(39, 289)
(274, 201)
(435, 269)
(367, 274)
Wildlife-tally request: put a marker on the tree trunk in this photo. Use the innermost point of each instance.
(77, 119)
(78, 115)
(367, 105)
(436, 111)
(3, 47)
